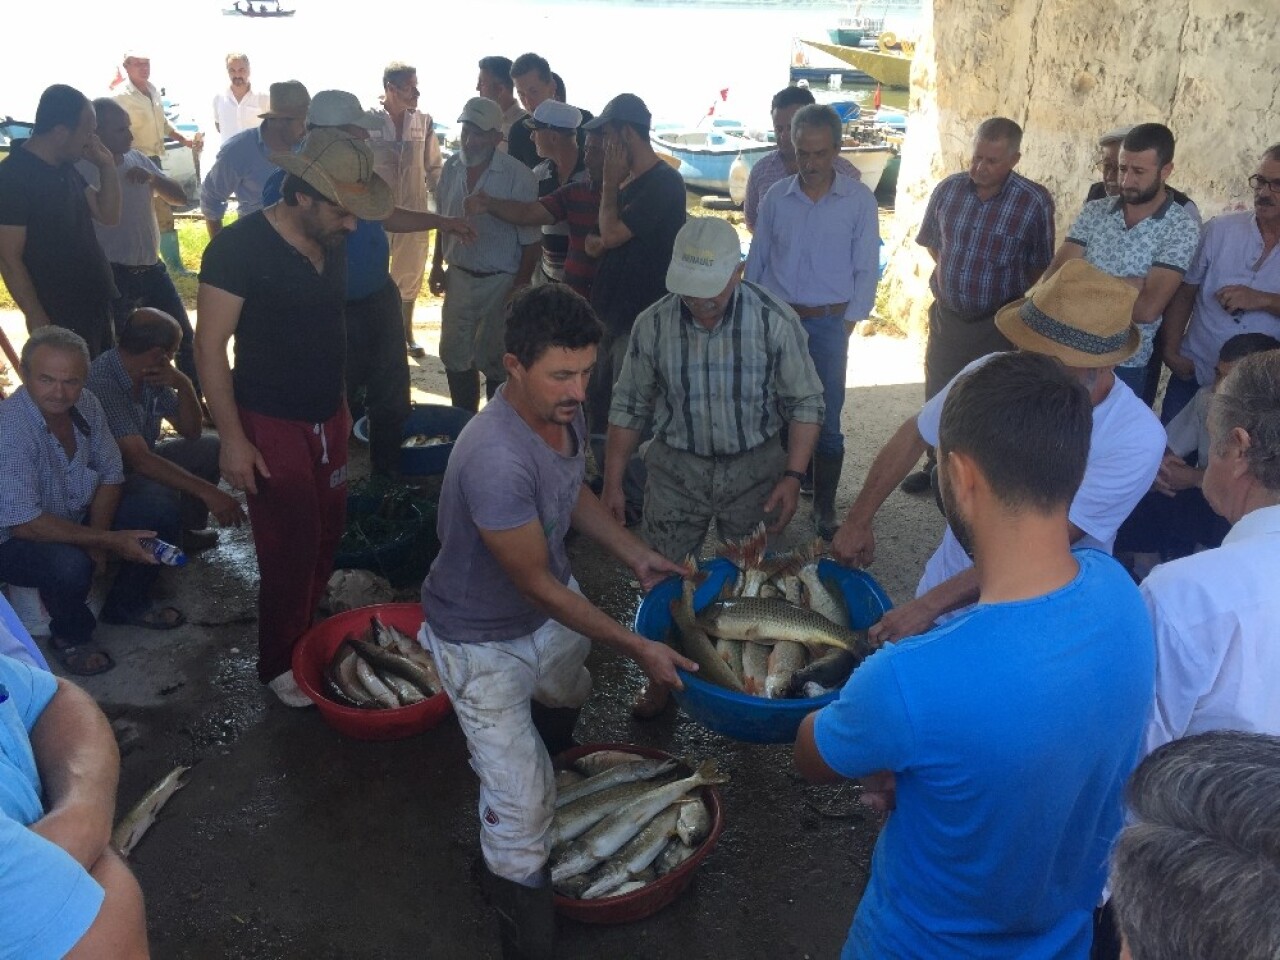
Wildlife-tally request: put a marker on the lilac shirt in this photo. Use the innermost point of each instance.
(501, 475)
(767, 171)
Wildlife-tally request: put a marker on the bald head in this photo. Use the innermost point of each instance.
(149, 329)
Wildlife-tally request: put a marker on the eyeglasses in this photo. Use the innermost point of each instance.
(1257, 183)
(1107, 166)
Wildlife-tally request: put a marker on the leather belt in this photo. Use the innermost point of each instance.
(812, 313)
(130, 268)
(479, 275)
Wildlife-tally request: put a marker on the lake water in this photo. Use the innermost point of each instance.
(676, 56)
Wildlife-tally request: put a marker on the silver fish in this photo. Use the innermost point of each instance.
(830, 670)
(636, 854)
(139, 820)
(693, 823)
(567, 778)
(373, 683)
(755, 668)
(602, 760)
(386, 661)
(785, 659)
(344, 675)
(631, 886)
(622, 773)
(676, 853)
(697, 646)
(574, 819)
(821, 598)
(768, 621)
(747, 555)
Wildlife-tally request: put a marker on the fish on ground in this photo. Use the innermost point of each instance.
(131, 828)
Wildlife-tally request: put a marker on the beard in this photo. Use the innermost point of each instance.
(960, 527)
(476, 158)
(1136, 198)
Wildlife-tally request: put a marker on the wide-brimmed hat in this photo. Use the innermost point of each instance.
(483, 113)
(341, 168)
(705, 254)
(289, 99)
(1080, 315)
(337, 108)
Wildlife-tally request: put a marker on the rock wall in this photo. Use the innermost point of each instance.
(1067, 70)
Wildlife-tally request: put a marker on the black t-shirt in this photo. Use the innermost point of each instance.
(520, 144)
(634, 275)
(70, 272)
(290, 342)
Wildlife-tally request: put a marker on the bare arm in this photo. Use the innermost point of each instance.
(104, 201)
(802, 439)
(522, 213)
(1070, 250)
(139, 458)
(619, 447)
(168, 190)
(1154, 295)
(808, 761)
(855, 542)
(48, 528)
(13, 270)
(1177, 315)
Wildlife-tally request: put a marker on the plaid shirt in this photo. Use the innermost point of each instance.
(722, 391)
(989, 251)
(127, 417)
(36, 476)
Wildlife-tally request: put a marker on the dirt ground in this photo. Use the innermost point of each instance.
(291, 841)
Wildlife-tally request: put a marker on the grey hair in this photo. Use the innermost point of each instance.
(234, 57)
(1249, 399)
(1196, 874)
(56, 338)
(818, 115)
(103, 106)
(1000, 128)
(1272, 153)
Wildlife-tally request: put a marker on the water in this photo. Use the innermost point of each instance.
(677, 57)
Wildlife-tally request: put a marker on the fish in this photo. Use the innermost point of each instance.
(730, 651)
(387, 662)
(631, 886)
(747, 555)
(574, 819)
(768, 621)
(829, 671)
(811, 690)
(601, 760)
(567, 778)
(693, 823)
(676, 853)
(405, 691)
(697, 645)
(785, 658)
(755, 668)
(344, 674)
(333, 688)
(608, 836)
(614, 776)
(369, 679)
(636, 854)
(821, 598)
(129, 831)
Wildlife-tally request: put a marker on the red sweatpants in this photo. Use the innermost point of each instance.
(298, 516)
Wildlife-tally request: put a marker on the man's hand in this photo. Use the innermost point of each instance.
(911, 619)
(163, 375)
(225, 508)
(96, 152)
(615, 502)
(126, 545)
(593, 245)
(1175, 475)
(1179, 366)
(240, 462)
(615, 162)
(459, 228)
(880, 791)
(435, 280)
(651, 568)
(659, 663)
(137, 175)
(1237, 298)
(476, 204)
(854, 544)
(784, 498)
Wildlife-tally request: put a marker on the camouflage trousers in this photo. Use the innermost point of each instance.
(683, 492)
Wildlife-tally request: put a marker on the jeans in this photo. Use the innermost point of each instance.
(151, 287)
(829, 348)
(376, 361)
(1177, 394)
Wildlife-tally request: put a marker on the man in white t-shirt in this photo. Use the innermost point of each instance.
(239, 107)
(1082, 317)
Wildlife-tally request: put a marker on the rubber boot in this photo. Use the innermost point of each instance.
(464, 389)
(826, 479)
(172, 255)
(406, 311)
(555, 726)
(526, 918)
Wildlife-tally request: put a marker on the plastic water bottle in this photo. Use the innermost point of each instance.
(166, 553)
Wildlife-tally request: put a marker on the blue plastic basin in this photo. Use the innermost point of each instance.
(432, 419)
(739, 715)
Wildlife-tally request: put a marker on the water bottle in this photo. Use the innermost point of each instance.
(165, 553)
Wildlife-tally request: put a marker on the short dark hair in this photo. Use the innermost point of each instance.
(561, 94)
(59, 106)
(551, 315)
(397, 72)
(499, 68)
(147, 328)
(294, 186)
(791, 97)
(531, 61)
(1150, 136)
(1246, 344)
(1000, 128)
(1026, 422)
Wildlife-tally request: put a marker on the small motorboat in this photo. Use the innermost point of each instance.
(261, 8)
(704, 155)
(870, 159)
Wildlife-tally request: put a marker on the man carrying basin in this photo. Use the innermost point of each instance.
(505, 620)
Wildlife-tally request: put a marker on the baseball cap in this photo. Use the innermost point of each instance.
(706, 252)
(554, 114)
(624, 108)
(337, 108)
(482, 112)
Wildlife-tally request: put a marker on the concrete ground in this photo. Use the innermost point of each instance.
(292, 841)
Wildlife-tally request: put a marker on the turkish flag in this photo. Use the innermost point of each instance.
(875, 102)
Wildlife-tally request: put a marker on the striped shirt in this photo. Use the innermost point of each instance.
(577, 204)
(555, 236)
(37, 476)
(722, 391)
(771, 168)
(127, 417)
(989, 251)
(496, 248)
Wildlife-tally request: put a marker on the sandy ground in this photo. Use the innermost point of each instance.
(292, 841)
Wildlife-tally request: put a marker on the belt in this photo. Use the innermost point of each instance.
(812, 313)
(478, 274)
(130, 268)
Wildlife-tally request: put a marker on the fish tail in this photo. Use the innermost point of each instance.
(709, 772)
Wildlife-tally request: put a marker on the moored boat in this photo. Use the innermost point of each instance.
(264, 8)
(869, 159)
(704, 156)
(891, 68)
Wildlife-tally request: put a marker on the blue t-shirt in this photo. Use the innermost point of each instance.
(1011, 731)
(47, 899)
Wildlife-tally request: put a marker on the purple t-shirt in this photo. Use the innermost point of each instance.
(501, 475)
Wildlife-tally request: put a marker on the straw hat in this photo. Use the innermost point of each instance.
(341, 168)
(1080, 315)
(289, 99)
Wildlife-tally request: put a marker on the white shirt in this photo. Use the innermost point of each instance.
(232, 115)
(1217, 622)
(135, 240)
(1125, 448)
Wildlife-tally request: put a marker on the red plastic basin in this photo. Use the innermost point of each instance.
(312, 653)
(650, 899)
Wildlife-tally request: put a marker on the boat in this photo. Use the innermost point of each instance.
(833, 75)
(889, 65)
(264, 8)
(851, 31)
(704, 155)
(869, 158)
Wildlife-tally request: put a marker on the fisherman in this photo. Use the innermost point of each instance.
(1108, 165)
(505, 621)
(239, 107)
(495, 83)
(64, 890)
(718, 367)
(1083, 318)
(817, 248)
(1002, 740)
(50, 259)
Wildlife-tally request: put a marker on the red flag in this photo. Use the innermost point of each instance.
(724, 94)
(875, 102)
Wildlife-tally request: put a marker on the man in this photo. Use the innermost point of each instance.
(276, 281)
(533, 81)
(1196, 873)
(641, 211)
(494, 83)
(1000, 741)
(132, 246)
(62, 479)
(1082, 317)
(407, 156)
(138, 387)
(1142, 236)
(505, 621)
(50, 259)
(244, 164)
(781, 164)
(238, 107)
(1108, 165)
(64, 890)
(817, 247)
(574, 206)
(1233, 286)
(482, 276)
(990, 233)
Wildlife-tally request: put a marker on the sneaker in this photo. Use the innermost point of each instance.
(917, 482)
(415, 350)
(287, 689)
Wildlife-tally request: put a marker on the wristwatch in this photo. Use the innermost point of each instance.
(794, 474)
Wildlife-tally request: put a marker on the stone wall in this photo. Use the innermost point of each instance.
(1067, 70)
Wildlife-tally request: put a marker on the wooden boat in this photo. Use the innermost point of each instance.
(869, 158)
(704, 156)
(892, 68)
(268, 9)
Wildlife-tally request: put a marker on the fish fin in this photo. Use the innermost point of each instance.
(709, 772)
(731, 550)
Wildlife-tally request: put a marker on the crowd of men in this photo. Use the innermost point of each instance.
(1013, 696)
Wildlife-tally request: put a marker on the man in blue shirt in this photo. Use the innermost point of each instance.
(1001, 739)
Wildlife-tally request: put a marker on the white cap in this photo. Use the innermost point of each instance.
(706, 252)
(553, 113)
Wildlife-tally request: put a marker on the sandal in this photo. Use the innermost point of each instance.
(81, 659)
(157, 618)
